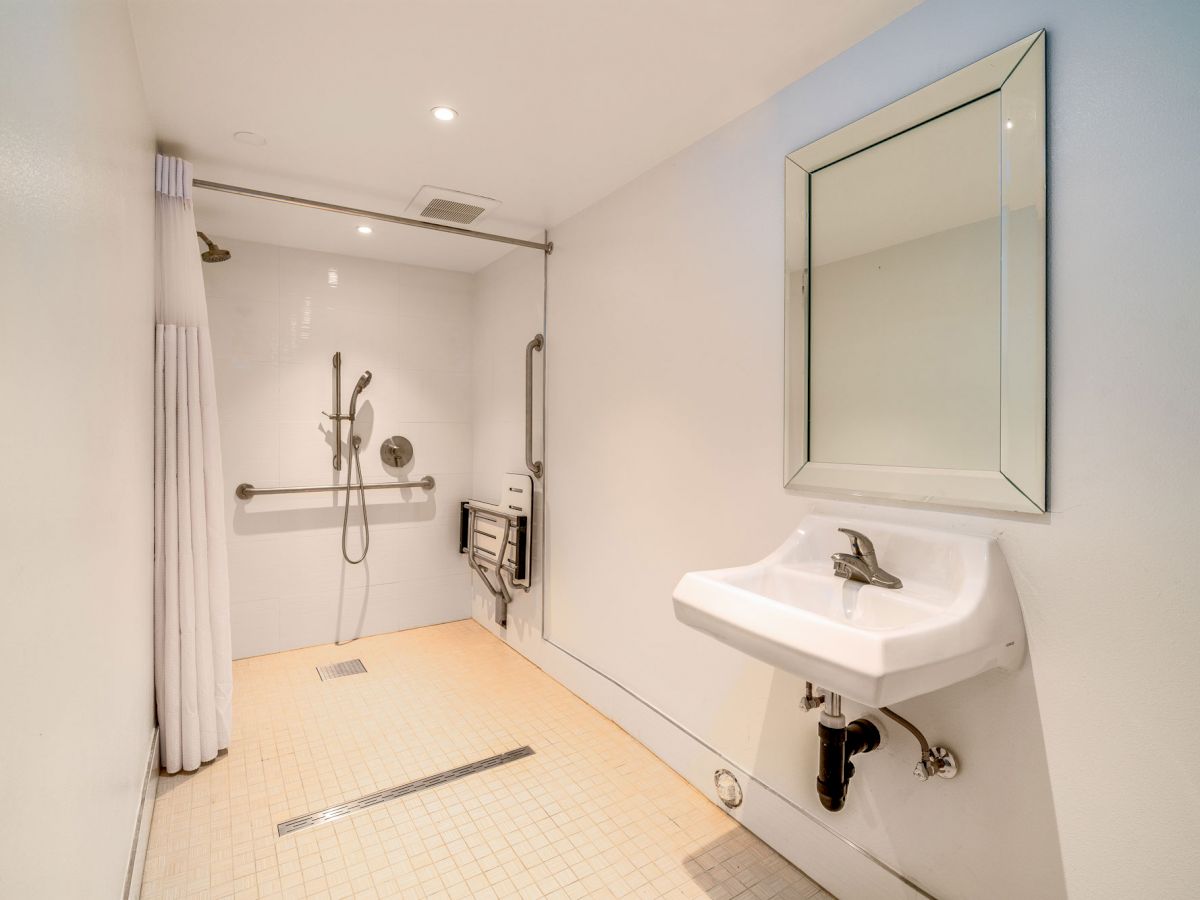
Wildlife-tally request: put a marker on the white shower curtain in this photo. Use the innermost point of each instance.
(193, 662)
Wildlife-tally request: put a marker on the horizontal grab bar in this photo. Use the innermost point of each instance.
(246, 491)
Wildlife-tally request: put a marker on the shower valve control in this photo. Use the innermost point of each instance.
(396, 451)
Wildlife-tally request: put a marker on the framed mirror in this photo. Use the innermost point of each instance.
(916, 295)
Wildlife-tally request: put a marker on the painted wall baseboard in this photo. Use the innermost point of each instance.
(141, 828)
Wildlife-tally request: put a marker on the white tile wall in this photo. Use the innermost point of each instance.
(276, 322)
(508, 313)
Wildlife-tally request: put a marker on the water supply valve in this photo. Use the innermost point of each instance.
(811, 701)
(938, 761)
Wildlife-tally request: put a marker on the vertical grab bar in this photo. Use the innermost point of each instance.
(534, 467)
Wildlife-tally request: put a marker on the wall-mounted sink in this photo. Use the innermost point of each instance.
(956, 615)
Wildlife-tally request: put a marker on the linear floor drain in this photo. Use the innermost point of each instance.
(338, 670)
(421, 784)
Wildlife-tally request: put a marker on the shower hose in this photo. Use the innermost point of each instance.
(362, 500)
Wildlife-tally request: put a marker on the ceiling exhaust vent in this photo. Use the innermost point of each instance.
(443, 205)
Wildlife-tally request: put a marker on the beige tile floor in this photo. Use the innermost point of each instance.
(592, 814)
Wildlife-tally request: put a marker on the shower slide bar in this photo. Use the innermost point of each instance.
(545, 246)
(246, 491)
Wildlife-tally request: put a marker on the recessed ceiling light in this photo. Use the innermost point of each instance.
(364, 229)
(249, 137)
(444, 113)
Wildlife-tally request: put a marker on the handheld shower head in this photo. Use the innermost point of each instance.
(213, 253)
(363, 381)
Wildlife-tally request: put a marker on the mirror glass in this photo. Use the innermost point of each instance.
(905, 319)
(915, 285)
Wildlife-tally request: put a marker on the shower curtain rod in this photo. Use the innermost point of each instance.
(547, 247)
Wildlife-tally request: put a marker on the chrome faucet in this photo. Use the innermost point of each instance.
(861, 564)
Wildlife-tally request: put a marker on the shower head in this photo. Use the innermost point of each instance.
(363, 381)
(213, 253)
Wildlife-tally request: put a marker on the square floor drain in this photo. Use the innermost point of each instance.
(337, 670)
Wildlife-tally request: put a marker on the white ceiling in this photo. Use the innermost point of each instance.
(561, 101)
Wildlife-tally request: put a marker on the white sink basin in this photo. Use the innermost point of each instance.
(957, 614)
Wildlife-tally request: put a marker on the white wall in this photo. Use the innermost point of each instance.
(76, 380)
(664, 434)
(276, 322)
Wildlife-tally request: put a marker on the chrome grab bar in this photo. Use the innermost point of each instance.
(245, 491)
(534, 467)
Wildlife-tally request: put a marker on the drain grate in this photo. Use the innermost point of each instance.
(344, 809)
(338, 670)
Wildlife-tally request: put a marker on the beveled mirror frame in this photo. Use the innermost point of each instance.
(1017, 73)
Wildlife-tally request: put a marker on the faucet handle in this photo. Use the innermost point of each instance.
(855, 568)
(861, 545)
